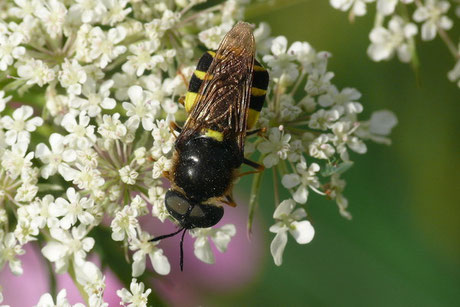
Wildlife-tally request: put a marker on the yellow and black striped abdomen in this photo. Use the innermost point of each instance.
(258, 93)
(197, 79)
(258, 89)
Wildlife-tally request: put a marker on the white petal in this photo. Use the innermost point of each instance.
(301, 195)
(203, 250)
(303, 232)
(277, 247)
(284, 208)
(53, 251)
(138, 267)
(290, 180)
(160, 262)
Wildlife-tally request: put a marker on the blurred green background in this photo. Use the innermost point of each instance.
(402, 247)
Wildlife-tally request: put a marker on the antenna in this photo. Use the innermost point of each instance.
(167, 236)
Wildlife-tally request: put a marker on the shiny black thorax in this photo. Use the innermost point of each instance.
(204, 167)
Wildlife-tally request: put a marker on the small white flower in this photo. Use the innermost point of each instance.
(10, 49)
(16, 161)
(163, 139)
(212, 37)
(323, 119)
(157, 199)
(90, 11)
(95, 100)
(282, 61)
(143, 248)
(141, 107)
(128, 175)
(124, 224)
(343, 136)
(20, 123)
(36, 72)
(289, 220)
(220, 236)
(56, 159)
(9, 251)
(385, 42)
(304, 178)
(432, 13)
(136, 297)
(319, 79)
(73, 209)
(111, 127)
(163, 164)
(142, 57)
(72, 76)
(277, 147)
(104, 45)
(67, 246)
(52, 14)
(88, 178)
(320, 147)
(116, 11)
(46, 300)
(358, 7)
(81, 134)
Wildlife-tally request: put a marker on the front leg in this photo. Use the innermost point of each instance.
(259, 167)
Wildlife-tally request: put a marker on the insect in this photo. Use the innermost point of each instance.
(224, 98)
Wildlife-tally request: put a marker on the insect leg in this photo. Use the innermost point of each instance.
(174, 127)
(259, 167)
(229, 201)
(258, 131)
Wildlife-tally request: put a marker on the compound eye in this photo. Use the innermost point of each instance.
(176, 204)
(206, 215)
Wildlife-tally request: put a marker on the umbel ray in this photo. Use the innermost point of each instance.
(224, 99)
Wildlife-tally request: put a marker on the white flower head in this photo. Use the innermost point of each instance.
(67, 246)
(305, 177)
(220, 236)
(135, 297)
(357, 7)
(36, 72)
(276, 147)
(72, 209)
(396, 39)
(21, 123)
(141, 108)
(432, 14)
(290, 220)
(143, 247)
(72, 76)
(9, 251)
(57, 159)
(124, 224)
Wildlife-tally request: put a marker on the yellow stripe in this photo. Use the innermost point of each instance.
(253, 116)
(202, 75)
(212, 53)
(258, 68)
(257, 91)
(190, 99)
(218, 136)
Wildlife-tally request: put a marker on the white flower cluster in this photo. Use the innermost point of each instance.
(93, 142)
(312, 132)
(396, 26)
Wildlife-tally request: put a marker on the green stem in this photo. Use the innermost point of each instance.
(80, 288)
(253, 198)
